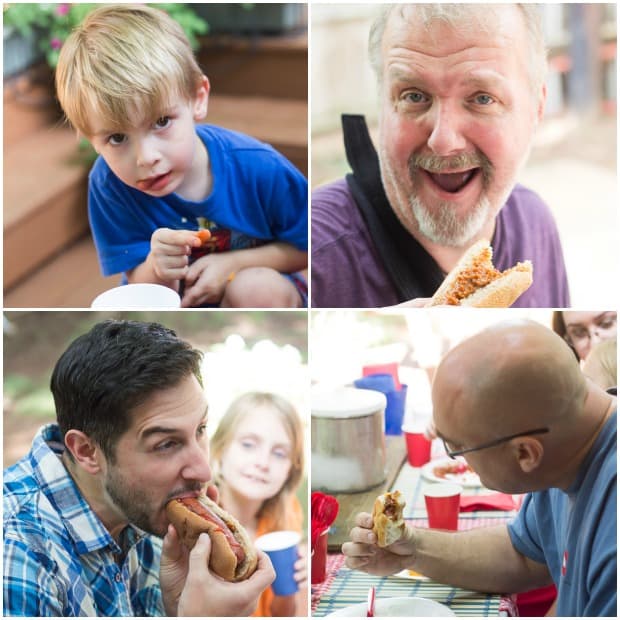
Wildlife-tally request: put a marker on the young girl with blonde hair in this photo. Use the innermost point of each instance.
(258, 455)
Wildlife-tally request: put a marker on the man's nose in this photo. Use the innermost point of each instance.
(147, 153)
(445, 137)
(197, 465)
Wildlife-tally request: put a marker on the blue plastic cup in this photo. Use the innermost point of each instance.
(281, 547)
(395, 410)
(381, 382)
(395, 407)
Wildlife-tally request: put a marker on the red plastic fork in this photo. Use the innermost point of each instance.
(370, 611)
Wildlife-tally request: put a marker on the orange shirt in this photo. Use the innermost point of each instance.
(293, 520)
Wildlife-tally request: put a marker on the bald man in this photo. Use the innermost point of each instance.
(513, 402)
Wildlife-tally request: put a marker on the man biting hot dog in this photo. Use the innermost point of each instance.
(85, 510)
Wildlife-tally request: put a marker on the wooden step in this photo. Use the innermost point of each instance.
(263, 66)
(70, 279)
(283, 123)
(29, 104)
(44, 200)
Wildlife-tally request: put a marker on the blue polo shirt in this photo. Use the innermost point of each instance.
(574, 532)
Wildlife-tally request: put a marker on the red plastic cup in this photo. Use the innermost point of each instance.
(319, 559)
(418, 446)
(442, 505)
(390, 369)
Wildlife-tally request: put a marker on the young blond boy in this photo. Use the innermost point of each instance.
(128, 81)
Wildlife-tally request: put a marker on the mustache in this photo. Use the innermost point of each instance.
(437, 163)
(194, 487)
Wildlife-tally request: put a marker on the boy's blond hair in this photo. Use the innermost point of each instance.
(124, 62)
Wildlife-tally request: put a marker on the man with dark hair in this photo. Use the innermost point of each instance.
(84, 509)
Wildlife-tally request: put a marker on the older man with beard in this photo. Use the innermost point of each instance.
(84, 510)
(461, 91)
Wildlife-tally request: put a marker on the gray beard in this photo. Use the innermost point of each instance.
(443, 227)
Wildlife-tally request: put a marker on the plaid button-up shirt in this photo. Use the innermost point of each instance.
(59, 560)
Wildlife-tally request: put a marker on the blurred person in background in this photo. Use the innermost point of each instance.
(601, 365)
(461, 91)
(258, 455)
(582, 330)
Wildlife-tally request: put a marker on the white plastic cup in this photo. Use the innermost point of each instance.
(138, 296)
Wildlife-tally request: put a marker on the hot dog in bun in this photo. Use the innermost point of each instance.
(476, 283)
(233, 556)
(387, 515)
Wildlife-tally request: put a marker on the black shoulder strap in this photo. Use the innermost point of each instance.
(413, 271)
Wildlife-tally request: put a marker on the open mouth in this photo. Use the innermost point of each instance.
(453, 182)
(154, 183)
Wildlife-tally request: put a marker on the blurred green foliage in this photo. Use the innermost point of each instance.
(52, 23)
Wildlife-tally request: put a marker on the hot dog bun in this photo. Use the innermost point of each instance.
(228, 538)
(387, 515)
(475, 282)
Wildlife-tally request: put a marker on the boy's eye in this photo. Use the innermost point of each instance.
(162, 121)
(116, 139)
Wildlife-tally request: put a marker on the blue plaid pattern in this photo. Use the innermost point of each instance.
(59, 560)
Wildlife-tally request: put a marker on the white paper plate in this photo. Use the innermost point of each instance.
(140, 295)
(467, 479)
(411, 607)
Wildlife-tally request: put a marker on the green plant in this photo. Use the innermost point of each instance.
(52, 23)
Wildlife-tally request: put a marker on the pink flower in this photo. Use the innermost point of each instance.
(56, 43)
(62, 9)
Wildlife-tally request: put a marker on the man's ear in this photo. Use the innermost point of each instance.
(201, 100)
(85, 451)
(529, 453)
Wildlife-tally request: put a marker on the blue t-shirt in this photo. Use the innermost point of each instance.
(257, 197)
(574, 533)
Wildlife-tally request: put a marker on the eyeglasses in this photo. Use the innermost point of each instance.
(454, 453)
(576, 334)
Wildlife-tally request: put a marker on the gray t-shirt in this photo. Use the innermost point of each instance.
(347, 270)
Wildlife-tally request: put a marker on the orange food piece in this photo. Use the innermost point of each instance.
(204, 235)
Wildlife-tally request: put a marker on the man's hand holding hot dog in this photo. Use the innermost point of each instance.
(189, 588)
(363, 553)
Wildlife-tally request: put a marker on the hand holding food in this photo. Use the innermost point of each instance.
(387, 516)
(169, 252)
(364, 553)
(475, 282)
(233, 556)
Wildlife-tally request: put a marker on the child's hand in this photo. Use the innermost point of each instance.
(301, 565)
(207, 278)
(170, 250)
